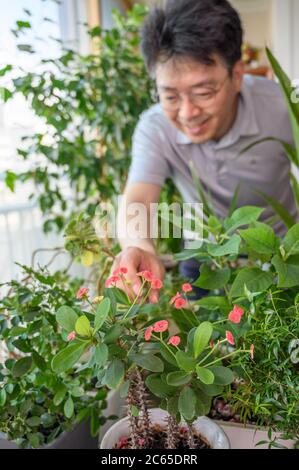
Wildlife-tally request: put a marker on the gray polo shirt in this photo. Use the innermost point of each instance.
(161, 151)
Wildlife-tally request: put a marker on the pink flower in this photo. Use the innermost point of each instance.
(156, 284)
(236, 314)
(174, 340)
(177, 296)
(161, 326)
(141, 442)
(251, 349)
(118, 271)
(230, 338)
(187, 287)
(148, 333)
(71, 336)
(212, 344)
(180, 303)
(82, 292)
(112, 280)
(147, 275)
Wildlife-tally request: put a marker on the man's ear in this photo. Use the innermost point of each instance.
(238, 73)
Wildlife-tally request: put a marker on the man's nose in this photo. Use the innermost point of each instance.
(188, 110)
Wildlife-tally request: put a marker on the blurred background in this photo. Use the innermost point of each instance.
(62, 25)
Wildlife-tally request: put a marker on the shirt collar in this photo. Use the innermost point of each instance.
(245, 123)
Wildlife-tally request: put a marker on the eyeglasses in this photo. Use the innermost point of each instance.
(172, 101)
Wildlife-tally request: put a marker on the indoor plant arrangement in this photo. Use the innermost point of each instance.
(256, 271)
(37, 406)
(164, 350)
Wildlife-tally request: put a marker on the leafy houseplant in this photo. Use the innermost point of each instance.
(37, 406)
(142, 348)
(255, 270)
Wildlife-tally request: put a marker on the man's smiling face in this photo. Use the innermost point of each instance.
(200, 100)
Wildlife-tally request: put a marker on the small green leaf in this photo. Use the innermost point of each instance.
(10, 179)
(82, 326)
(148, 362)
(210, 279)
(187, 402)
(59, 395)
(101, 314)
(288, 271)
(255, 280)
(223, 375)
(202, 336)
(205, 375)
(230, 247)
(155, 384)
(178, 378)
(33, 422)
(185, 361)
(68, 408)
(261, 239)
(291, 241)
(68, 357)
(66, 317)
(2, 397)
(242, 216)
(115, 373)
(21, 367)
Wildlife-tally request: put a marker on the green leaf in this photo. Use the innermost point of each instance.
(39, 361)
(100, 356)
(101, 314)
(231, 247)
(261, 239)
(113, 334)
(10, 179)
(205, 375)
(59, 395)
(66, 358)
(210, 279)
(178, 378)
(255, 280)
(68, 408)
(288, 271)
(283, 213)
(82, 326)
(66, 317)
(187, 402)
(223, 375)
(291, 241)
(185, 361)
(167, 355)
(202, 336)
(33, 422)
(21, 367)
(6, 69)
(214, 303)
(155, 384)
(115, 374)
(2, 397)
(23, 24)
(148, 362)
(242, 216)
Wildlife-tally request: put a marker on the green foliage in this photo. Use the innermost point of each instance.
(90, 105)
(35, 400)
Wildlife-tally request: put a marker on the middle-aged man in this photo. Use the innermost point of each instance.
(208, 111)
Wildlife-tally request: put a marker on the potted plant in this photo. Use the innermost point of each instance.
(142, 349)
(252, 279)
(39, 408)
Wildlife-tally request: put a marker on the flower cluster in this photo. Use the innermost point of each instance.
(160, 327)
(179, 300)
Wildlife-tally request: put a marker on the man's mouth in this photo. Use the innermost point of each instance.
(196, 128)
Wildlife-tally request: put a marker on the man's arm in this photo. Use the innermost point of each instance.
(138, 253)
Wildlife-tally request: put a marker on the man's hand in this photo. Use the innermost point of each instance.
(135, 260)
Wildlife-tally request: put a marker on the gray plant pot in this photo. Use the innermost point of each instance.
(79, 438)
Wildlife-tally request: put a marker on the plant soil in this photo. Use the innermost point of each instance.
(158, 437)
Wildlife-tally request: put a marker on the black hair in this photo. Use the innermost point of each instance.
(194, 29)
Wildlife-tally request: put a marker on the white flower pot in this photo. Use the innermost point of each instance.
(208, 429)
(242, 437)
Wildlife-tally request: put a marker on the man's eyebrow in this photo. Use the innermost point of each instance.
(196, 85)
